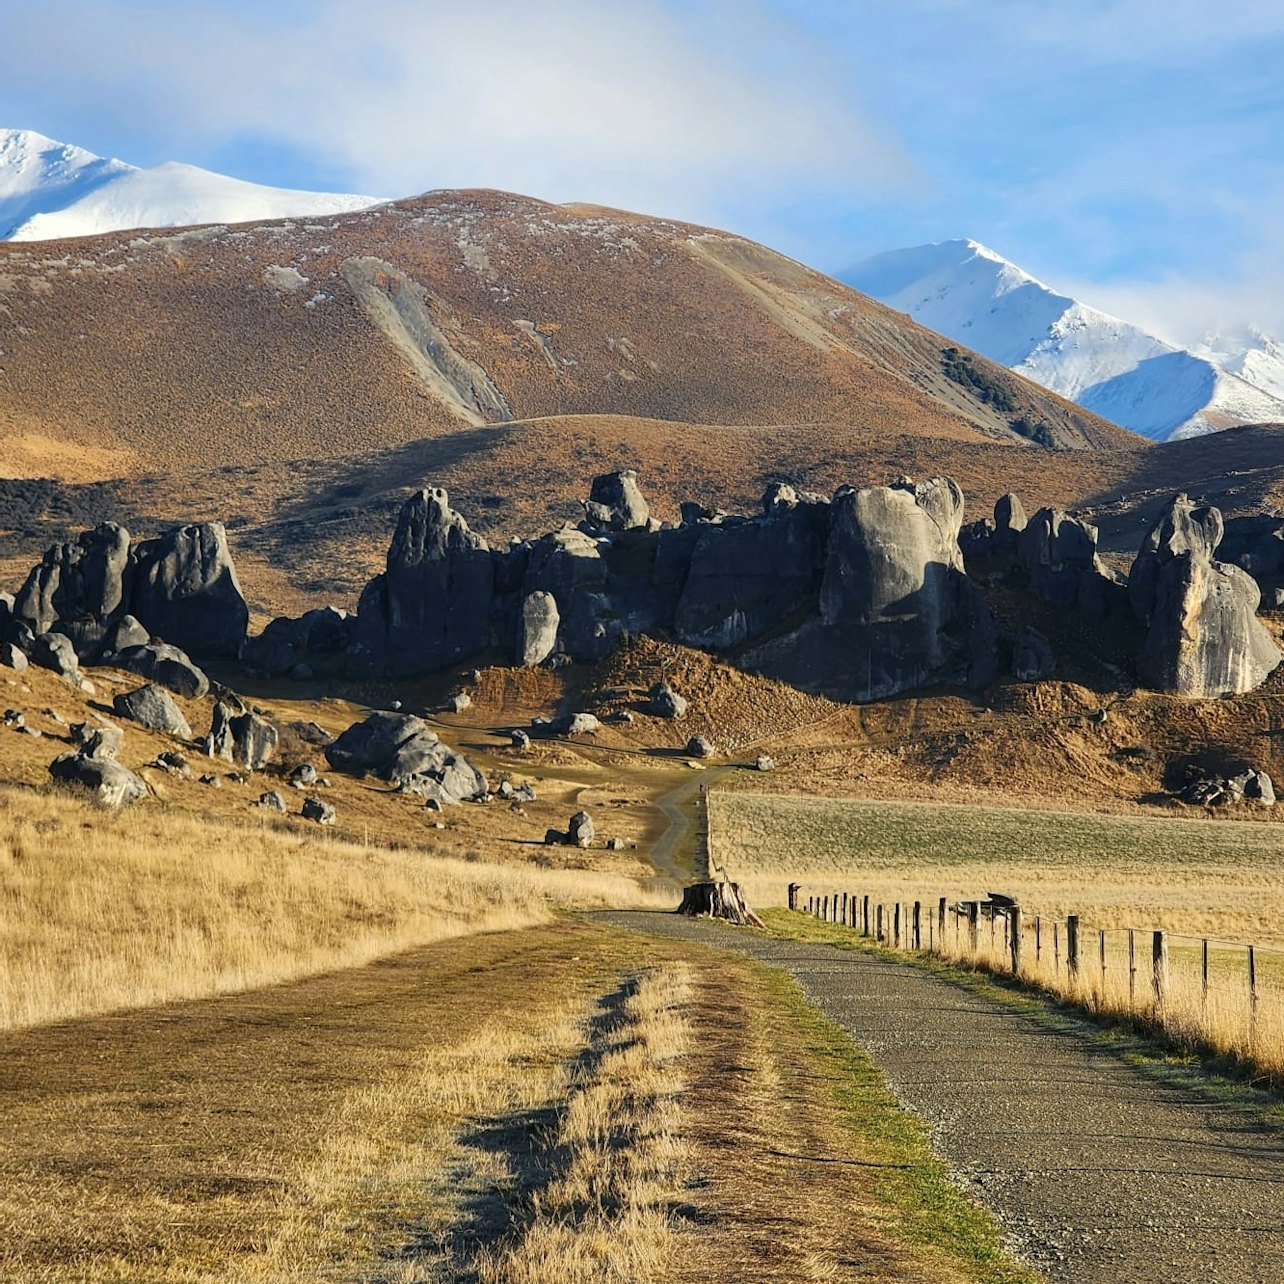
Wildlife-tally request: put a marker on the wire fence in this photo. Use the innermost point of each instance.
(1225, 995)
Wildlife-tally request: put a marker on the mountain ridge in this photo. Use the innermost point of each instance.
(1118, 370)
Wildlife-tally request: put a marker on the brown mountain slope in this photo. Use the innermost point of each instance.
(264, 343)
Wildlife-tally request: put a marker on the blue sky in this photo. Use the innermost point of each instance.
(1129, 150)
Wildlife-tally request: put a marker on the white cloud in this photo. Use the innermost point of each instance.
(637, 104)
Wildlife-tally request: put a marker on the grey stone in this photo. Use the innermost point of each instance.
(165, 665)
(458, 702)
(303, 776)
(765, 763)
(1058, 553)
(97, 740)
(184, 589)
(700, 747)
(54, 651)
(554, 838)
(214, 782)
(401, 749)
(12, 658)
(432, 605)
(1032, 656)
(126, 632)
(153, 707)
(1203, 638)
(174, 763)
(82, 584)
(577, 724)
(580, 832)
(615, 502)
(322, 812)
(537, 628)
(254, 741)
(271, 800)
(520, 738)
(110, 784)
(664, 702)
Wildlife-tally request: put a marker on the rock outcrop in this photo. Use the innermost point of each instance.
(402, 750)
(615, 503)
(431, 607)
(537, 628)
(165, 665)
(1203, 637)
(106, 594)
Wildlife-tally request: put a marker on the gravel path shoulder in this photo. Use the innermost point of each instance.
(1099, 1171)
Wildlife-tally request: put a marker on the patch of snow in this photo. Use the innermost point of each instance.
(50, 190)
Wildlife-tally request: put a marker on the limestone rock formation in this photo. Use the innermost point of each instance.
(432, 605)
(12, 658)
(580, 832)
(615, 503)
(537, 628)
(1203, 637)
(700, 747)
(1032, 656)
(97, 740)
(124, 633)
(184, 589)
(317, 641)
(110, 784)
(153, 707)
(664, 702)
(55, 651)
(319, 810)
(1059, 554)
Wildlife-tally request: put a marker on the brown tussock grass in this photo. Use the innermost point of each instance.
(100, 912)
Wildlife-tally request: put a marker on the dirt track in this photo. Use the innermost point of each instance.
(1101, 1172)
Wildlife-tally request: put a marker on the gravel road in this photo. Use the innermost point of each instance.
(1099, 1171)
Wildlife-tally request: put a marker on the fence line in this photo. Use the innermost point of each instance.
(1228, 995)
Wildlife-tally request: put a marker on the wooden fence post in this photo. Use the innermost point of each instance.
(940, 920)
(1132, 967)
(1072, 944)
(843, 920)
(917, 942)
(973, 922)
(1056, 949)
(1038, 940)
(1014, 938)
(793, 895)
(879, 936)
(896, 925)
(864, 911)
(1159, 967)
(824, 909)
(1252, 991)
(1204, 971)
(1101, 945)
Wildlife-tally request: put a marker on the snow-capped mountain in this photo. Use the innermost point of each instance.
(50, 189)
(1106, 365)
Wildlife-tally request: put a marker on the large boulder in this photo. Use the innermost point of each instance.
(165, 665)
(318, 640)
(97, 739)
(569, 566)
(110, 784)
(154, 708)
(402, 750)
(184, 589)
(80, 586)
(537, 628)
(13, 658)
(254, 740)
(1059, 555)
(123, 633)
(580, 833)
(431, 607)
(1203, 637)
(664, 702)
(55, 651)
(616, 503)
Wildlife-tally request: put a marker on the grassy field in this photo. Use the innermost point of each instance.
(1199, 876)
(101, 911)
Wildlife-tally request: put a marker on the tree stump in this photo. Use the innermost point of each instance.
(722, 900)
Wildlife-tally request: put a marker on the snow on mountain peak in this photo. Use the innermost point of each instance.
(50, 189)
(969, 293)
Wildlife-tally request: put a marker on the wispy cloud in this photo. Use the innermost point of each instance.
(644, 104)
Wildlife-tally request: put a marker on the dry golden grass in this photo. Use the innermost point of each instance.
(618, 1151)
(100, 911)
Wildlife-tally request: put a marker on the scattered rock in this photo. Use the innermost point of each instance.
(310, 733)
(303, 776)
(576, 724)
(321, 812)
(765, 763)
(97, 740)
(457, 703)
(401, 748)
(165, 665)
(615, 844)
(126, 632)
(664, 702)
(700, 747)
(111, 784)
(153, 707)
(554, 838)
(214, 782)
(520, 738)
(174, 763)
(271, 801)
(615, 503)
(1032, 657)
(15, 719)
(580, 832)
